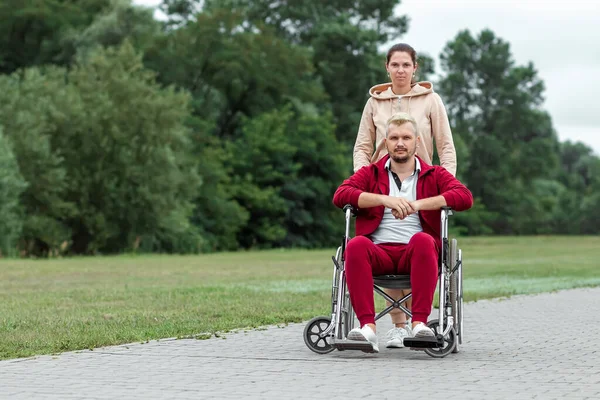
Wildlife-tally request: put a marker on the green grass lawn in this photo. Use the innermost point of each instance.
(49, 306)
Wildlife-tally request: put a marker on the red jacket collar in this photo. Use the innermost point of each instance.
(380, 165)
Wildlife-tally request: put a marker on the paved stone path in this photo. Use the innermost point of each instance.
(528, 347)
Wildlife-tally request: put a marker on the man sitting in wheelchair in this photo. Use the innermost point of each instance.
(397, 226)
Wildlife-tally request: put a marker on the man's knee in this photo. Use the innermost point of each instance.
(424, 248)
(423, 241)
(357, 246)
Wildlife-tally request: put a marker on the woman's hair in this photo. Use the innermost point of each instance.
(405, 48)
(402, 47)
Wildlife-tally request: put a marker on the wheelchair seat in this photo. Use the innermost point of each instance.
(392, 281)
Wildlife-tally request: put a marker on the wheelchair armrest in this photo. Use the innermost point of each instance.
(351, 208)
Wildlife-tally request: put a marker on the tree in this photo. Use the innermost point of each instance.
(298, 19)
(233, 75)
(495, 108)
(578, 162)
(285, 166)
(311, 220)
(12, 185)
(118, 21)
(105, 153)
(24, 103)
(31, 33)
(343, 37)
(580, 176)
(35, 33)
(232, 72)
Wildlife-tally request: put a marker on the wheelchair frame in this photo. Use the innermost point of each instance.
(324, 334)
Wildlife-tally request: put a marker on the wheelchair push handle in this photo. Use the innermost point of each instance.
(351, 208)
(446, 211)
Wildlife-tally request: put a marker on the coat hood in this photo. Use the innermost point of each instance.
(384, 91)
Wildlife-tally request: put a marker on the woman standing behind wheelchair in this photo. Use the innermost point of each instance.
(418, 99)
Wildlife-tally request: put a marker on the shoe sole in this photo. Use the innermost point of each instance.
(394, 345)
(359, 337)
(424, 335)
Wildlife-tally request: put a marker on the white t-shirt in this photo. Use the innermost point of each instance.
(392, 230)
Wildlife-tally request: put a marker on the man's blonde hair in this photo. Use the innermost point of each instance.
(402, 118)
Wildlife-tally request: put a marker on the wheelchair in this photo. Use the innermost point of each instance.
(324, 334)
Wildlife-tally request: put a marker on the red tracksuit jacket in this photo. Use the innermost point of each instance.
(433, 181)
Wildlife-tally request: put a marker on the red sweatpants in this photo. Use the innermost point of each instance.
(364, 259)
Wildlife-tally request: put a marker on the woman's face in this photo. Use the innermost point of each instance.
(401, 68)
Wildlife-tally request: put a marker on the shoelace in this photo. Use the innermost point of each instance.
(397, 332)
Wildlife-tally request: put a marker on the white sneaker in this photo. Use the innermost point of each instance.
(421, 330)
(365, 334)
(396, 337)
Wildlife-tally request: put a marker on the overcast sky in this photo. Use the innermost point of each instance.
(561, 38)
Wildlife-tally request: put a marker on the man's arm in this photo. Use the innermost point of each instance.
(401, 208)
(457, 196)
(452, 194)
(355, 191)
(430, 203)
(351, 189)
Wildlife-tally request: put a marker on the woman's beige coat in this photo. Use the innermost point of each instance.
(424, 105)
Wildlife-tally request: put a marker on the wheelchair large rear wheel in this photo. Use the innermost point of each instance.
(456, 292)
(312, 338)
(450, 341)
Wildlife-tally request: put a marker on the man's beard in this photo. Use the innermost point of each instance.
(402, 159)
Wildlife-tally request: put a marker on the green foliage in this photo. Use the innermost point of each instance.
(297, 19)
(218, 217)
(12, 185)
(474, 222)
(236, 107)
(113, 150)
(238, 126)
(495, 109)
(344, 37)
(31, 32)
(25, 113)
(117, 22)
(233, 72)
(311, 220)
(426, 67)
(260, 164)
(580, 176)
(590, 220)
(580, 167)
(285, 165)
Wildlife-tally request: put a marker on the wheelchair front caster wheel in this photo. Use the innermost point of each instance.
(312, 335)
(449, 341)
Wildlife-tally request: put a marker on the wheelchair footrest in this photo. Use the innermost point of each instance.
(424, 342)
(352, 345)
